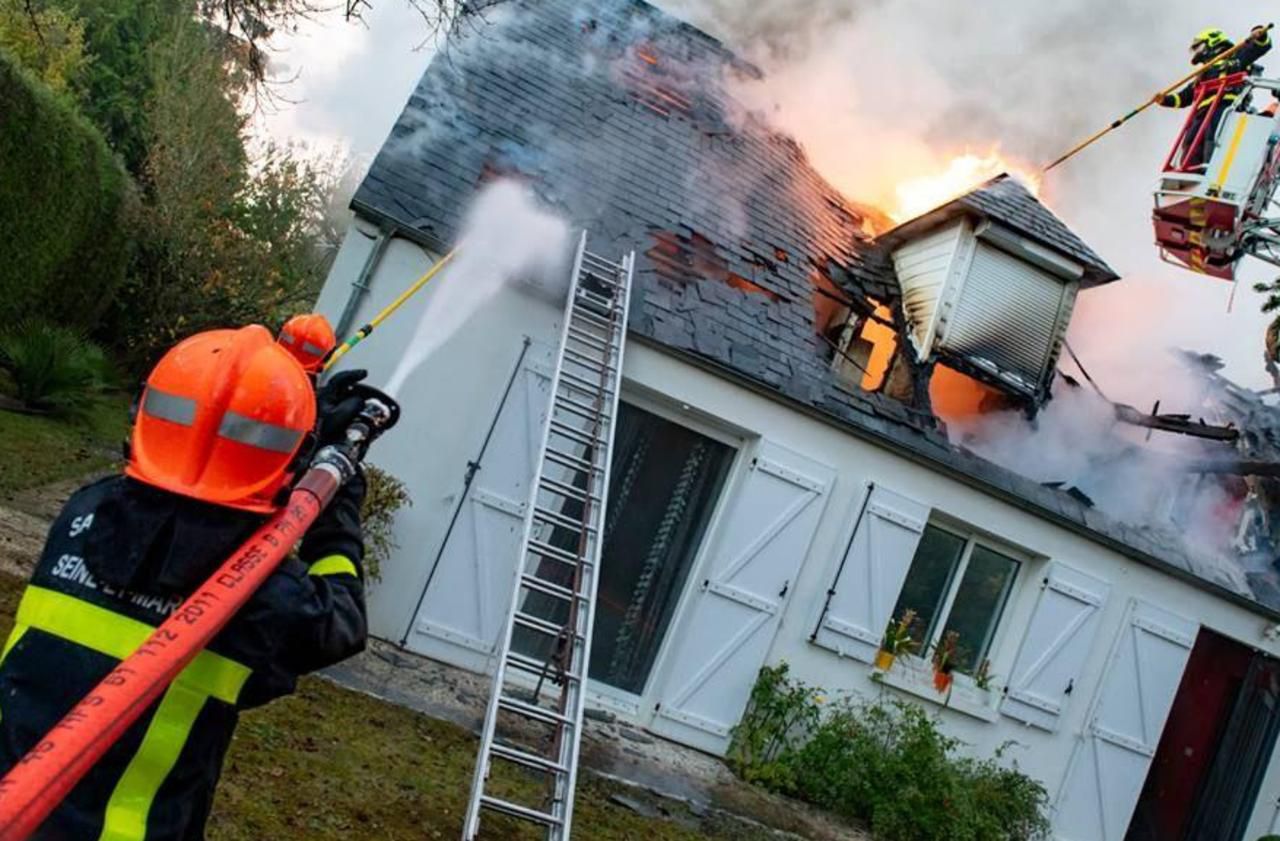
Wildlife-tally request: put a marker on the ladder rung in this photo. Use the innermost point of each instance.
(587, 256)
(579, 358)
(553, 518)
(533, 711)
(572, 462)
(567, 491)
(578, 435)
(536, 667)
(533, 582)
(534, 623)
(597, 342)
(587, 315)
(596, 303)
(529, 760)
(584, 384)
(515, 810)
(546, 550)
(582, 410)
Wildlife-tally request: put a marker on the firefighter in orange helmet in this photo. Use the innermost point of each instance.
(226, 419)
(310, 338)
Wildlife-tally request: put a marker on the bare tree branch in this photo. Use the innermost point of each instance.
(35, 21)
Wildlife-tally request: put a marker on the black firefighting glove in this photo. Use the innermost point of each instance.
(339, 403)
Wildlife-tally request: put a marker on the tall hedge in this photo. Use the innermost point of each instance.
(64, 206)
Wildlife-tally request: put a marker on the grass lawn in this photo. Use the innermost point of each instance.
(37, 450)
(329, 763)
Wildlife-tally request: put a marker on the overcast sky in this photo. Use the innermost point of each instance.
(1023, 74)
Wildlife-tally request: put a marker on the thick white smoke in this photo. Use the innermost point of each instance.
(880, 92)
(507, 239)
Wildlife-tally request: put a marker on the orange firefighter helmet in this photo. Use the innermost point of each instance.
(222, 418)
(309, 338)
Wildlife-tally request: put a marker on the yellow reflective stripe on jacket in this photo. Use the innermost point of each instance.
(333, 565)
(130, 804)
(119, 636)
(1209, 100)
(14, 636)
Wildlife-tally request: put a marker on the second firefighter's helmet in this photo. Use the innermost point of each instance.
(222, 417)
(1208, 44)
(309, 338)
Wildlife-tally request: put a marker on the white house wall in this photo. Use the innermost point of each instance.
(448, 402)
(1043, 754)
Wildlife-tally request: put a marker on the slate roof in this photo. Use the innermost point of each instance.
(615, 112)
(1004, 199)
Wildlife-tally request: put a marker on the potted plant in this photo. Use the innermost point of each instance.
(944, 659)
(897, 640)
(982, 677)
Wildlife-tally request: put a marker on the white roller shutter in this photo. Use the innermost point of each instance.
(1008, 315)
(1110, 762)
(1055, 647)
(870, 576)
(730, 623)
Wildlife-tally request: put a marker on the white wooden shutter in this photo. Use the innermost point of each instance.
(1056, 646)
(1109, 765)
(728, 626)
(464, 608)
(870, 576)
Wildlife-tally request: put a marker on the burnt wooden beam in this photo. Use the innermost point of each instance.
(1179, 424)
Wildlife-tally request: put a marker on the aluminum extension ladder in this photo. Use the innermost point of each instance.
(533, 724)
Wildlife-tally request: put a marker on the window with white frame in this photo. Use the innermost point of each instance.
(956, 584)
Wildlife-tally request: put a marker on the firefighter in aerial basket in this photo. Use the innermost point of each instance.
(1205, 47)
(226, 421)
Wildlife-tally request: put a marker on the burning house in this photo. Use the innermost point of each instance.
(783, 482)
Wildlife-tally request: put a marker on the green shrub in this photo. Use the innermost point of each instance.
(385, 496)
(53, 369)
(64, 207)
(885, 763)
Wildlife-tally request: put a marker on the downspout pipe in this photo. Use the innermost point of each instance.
(361, 284)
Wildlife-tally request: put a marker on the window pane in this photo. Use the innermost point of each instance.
(663, 488)
(979, 602)
(665, 483)
(928, 580)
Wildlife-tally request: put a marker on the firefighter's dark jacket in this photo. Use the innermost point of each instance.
(1248, 55)
(120, 557)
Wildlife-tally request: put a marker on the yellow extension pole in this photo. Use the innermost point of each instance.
(1152, 101)
(363, 333)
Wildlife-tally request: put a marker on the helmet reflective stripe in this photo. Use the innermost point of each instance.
(265, 436)
(286, 338)
(314, 350)
(169, 407)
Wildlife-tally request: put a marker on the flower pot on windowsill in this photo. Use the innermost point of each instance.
(942, 680)
(884, 660)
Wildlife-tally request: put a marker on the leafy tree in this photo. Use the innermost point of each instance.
(48, 42)
(224, 239)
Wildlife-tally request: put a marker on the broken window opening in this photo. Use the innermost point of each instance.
(867, 345)
(958, 397)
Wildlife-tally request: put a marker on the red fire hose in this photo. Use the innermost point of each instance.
(40, 780)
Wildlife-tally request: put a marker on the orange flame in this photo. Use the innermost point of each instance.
(920, 194)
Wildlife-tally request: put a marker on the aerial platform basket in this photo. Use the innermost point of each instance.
(1210, 213)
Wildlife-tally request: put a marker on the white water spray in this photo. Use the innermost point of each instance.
(507, 239)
